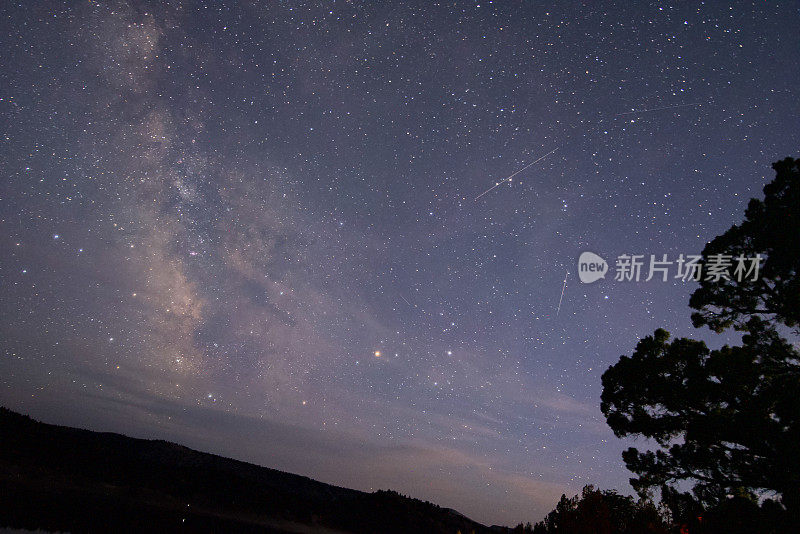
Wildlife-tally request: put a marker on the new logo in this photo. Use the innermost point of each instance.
(591, 267)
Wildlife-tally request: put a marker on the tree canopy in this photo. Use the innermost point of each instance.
(727, 420)
(600, 512)
(772, 229)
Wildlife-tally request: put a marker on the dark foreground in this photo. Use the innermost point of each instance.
(65, 479)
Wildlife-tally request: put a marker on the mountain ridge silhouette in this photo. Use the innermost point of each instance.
(69, 479)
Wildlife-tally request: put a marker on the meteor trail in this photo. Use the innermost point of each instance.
(562, 293)
(516, 173)
(658, 109)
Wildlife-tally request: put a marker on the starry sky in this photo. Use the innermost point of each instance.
(259, 229)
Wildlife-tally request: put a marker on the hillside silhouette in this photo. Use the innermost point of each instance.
(66, 479)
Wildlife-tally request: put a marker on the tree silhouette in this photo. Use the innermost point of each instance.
(727, 420)
(600, 512)
(771, 228)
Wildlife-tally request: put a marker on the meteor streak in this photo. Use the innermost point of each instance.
(508, 179)
(658, 109)
(562, 293)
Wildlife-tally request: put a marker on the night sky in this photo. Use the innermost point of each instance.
(254, 230)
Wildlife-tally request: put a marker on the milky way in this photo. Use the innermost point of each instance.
(253, 229)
